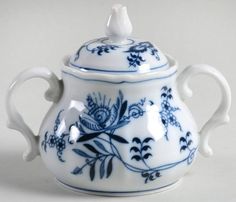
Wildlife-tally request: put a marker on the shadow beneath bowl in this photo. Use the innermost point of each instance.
(29, 177)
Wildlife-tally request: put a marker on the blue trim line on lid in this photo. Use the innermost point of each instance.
(118, 71)
(115, 192)
(119, 82)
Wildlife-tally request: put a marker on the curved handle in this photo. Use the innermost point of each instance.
(221, 114)
(15, 120)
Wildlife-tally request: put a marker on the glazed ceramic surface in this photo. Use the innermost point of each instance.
(118, 125)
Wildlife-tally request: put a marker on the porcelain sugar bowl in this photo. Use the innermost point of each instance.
(118, 124)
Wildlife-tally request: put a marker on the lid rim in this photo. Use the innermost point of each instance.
(116, 71)
(123, 77)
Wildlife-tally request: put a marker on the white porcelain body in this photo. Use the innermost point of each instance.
(122, 179)
(119, 134)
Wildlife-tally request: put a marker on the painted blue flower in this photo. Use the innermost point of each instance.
(166, 105)
(135, 57)
(52, 140)
(171, 118)
(103, 116)
(60, 144)
(99, 115)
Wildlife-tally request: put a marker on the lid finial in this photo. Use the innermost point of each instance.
(118, 26)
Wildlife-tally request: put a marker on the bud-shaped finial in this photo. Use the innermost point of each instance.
(118, 26)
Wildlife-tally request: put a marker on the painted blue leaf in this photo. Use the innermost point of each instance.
(137, 140)
(117, 138)
(183, 148)
(129, 59)
(91, 148)
(170, 96)
(81, 153)
(151, 178)
(118, 125)
(135, 149)
(164, 88)
(158, 174)
(44, 142)
(182, 139)
(190, 142)
(151, 102)
(109, 167)
(77, 171)
(123, 108)
(121, 96)
(145, 148)
(140, 58)
(136, 157)
(163, 95)
(146, 156)
(92, 171)
(146, 140)
(188, 134)
(102, 168)
(100, 52)
(87, 137)
(143, 60)
(100, 145)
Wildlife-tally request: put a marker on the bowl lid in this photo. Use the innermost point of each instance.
(118, 52)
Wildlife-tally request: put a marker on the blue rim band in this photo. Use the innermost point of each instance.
(115, 192)
(118, 71)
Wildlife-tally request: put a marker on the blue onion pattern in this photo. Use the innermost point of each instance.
(135, 57)
(186, 144)
(99, 50)
(103, 49)
(98, 143)
(167, 111)
(103, 117)
(55, 141)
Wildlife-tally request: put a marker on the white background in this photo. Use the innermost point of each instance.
(41, 32)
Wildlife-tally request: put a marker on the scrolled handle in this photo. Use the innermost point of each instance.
(15, 120)
(221, 115)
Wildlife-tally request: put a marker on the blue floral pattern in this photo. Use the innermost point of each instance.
(55, 141)
(99, 50)
(135, 57)
(98, 139)
(186, 144)
(98, 126)
(102, 117)
(103, 49)
(136, 51)
(167, 110)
